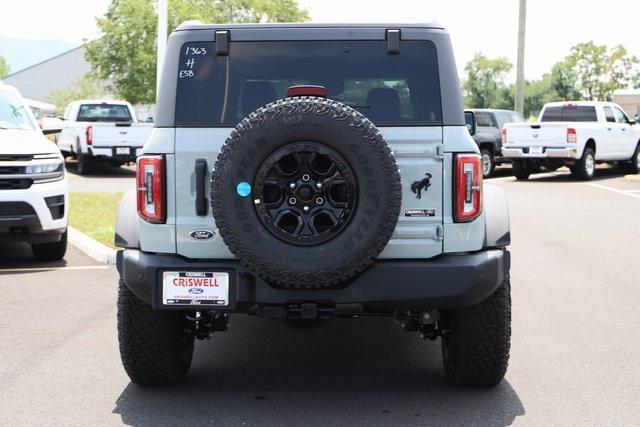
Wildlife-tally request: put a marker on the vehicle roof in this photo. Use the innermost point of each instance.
(195, 25)
(490, 110)
(579, 103)
(100, 101)
(8, 88)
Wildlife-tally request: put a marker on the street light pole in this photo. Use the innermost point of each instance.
(522, 19)
(162, 39)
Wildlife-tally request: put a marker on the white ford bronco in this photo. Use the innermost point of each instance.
(308, 172)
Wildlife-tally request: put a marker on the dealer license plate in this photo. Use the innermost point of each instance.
(535, 150)
(122, 150)
(195, 288)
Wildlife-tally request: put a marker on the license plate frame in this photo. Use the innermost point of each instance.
(195, 288)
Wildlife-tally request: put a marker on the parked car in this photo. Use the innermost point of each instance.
(101, 130)
(34, 192)
(574, 134)
(489, 123)
(302, 172)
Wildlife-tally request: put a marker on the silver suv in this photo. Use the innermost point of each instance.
(304, 172)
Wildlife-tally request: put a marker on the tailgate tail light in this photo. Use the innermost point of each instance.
(571, 136)
(150, 178)
(89, 135)
(468, 188)
(503, 132)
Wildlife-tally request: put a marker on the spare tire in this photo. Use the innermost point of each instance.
(306, 192)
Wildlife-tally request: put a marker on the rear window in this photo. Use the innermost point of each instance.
(570, 113)
(484, 120)
(103, 113)
(505, 117)
(392, 90)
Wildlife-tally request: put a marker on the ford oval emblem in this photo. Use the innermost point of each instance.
(196, 291)
(202, 234)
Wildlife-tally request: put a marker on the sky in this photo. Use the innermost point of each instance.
(488, 26)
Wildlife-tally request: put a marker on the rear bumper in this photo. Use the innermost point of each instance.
(450, 281)
(548, 152)
(112, 153)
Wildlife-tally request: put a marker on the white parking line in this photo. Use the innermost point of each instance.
(614, 190)
(77, 267)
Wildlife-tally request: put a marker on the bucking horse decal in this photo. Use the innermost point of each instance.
(423, 184)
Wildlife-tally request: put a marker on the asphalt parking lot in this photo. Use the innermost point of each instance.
(574, 351)
(103, 178)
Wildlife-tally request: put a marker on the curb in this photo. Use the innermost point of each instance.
(632, 177)
(91, 247)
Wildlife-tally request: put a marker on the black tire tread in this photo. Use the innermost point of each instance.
(477, 340)
(351, 266)
(520, 170)
(150, 341)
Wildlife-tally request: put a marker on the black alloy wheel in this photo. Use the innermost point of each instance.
(306, 193)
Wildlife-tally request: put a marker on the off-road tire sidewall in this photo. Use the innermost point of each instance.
(153, 346)
(477, 340)
(371, 224)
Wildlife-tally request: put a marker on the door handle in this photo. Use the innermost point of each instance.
(608, 128)
(201, 198)
(624, 130)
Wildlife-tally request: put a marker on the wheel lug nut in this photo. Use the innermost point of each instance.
(292, 201)
(305, 208)
(292, 185)
(318, 185)
(319, 200)
(306, 177)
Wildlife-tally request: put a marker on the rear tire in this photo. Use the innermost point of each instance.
(50, 251)
(585, 168)
(520, 170)
(477, 340)
(488, 163)
(84, 163)
(153, 345)
(635, 160)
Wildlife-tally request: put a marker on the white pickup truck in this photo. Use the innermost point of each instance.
(574, 134)
(102, 130)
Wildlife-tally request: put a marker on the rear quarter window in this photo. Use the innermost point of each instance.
(392, 90)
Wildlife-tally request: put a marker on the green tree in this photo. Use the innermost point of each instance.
(85, 88)
(484, 84)
(125, 55)
(599, 71)
(557, 85)
(5, 69)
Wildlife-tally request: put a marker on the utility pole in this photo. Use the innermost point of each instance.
(522, 20)
(162, 39)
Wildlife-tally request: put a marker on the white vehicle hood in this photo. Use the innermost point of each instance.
(13, 141)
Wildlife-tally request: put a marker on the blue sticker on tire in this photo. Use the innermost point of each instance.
(243, 189)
